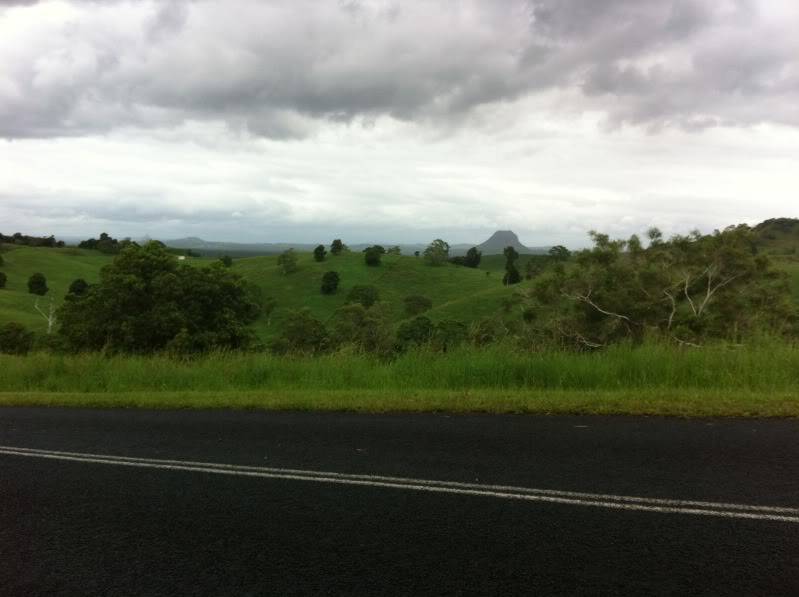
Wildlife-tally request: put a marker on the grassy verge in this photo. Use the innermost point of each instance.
(661, 402)
(760, 380)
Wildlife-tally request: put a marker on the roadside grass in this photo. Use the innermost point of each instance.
(653, 379)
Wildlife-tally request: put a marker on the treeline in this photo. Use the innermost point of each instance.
(31, 241)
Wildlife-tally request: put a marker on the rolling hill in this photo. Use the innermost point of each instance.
(778, 236)
(457, 292)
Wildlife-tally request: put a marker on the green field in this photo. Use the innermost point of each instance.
(60, 267)
(457, 292)
(653, 379)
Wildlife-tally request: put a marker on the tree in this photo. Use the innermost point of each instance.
(226, 260)
(473, 257)
(416, 253)
(319, 253)
(147, 301)
(302, 333)
(512, 275)
(365, 295)
(437, 252)
(395, 250)
(37, 284)
(416, 304)
(330, 282)
(415, 332)
(689, 289)
(372, 255)
(49, 315)
(15, 339)
(369, 330)
(559, 253)
(3, 280)
(448, 334)
(337, 247)
(287, 261)
(78, 287)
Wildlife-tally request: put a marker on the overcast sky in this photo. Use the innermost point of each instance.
(396, 121)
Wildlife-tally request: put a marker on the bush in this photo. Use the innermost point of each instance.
(365, 295)
(302, 333)
(226, 260)
(330, 282)
(416, 332)
(449, 334)
(372, 256)
(416, 304)
(319, 253)
(1, 261)
(37, 284)
(437, 252)
(287, 262)
(79, 287)
(3, 280)
(15, 339)
(337, 247)
(367, 329)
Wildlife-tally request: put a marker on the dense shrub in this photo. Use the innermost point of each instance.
(319, 253)
(15, 339)
(416, 304)
(302, 333)
(330, 281)
(365, 295)
(37, 284)
(287, 262)
(79, 287)
(416, 332)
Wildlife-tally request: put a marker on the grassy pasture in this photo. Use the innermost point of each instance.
(60, 267)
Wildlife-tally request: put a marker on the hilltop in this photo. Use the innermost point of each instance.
(778, 236)
(506, 238)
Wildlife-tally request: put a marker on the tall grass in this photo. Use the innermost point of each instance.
(769, 366)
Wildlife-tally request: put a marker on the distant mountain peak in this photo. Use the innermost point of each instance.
(501, 239)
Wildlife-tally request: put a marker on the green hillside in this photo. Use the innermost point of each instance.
(457, 292)
(60, 267)
(778, 236)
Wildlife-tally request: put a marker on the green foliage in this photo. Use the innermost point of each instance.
(31, 241)
(146, 302)
(416, 304)
(471, 259)
(302, 334)
(416, 332)
(105, 244)
(395, 250)
(37, 284)
(367, 329)
(3, 280)
(437, 252)
(559, 253)
(337, 247)
(287, 262)
(372, 255)
(79, 287)
(226, 260)
(689, 289)
(449, 334)
(512, 275)
(319, 253)
(15, 339)
(363, 294)
(330, 282)
(1, 261)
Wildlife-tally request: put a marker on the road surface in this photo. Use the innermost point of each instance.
(126, 502)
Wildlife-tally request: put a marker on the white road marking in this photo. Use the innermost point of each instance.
(618, 502)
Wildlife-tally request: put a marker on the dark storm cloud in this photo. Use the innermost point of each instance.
(281, 69)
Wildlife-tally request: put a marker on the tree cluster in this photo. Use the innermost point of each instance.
(146, 301)
(30, 241)
(471, 259)
(104, 244)
(689, 289)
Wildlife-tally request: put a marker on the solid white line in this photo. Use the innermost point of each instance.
(618, 502)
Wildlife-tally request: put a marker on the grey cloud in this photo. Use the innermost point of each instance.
(281, 69)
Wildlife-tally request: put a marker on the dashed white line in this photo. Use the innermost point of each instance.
(599, 500)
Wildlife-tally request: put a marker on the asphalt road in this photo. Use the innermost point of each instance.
(397, 504)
